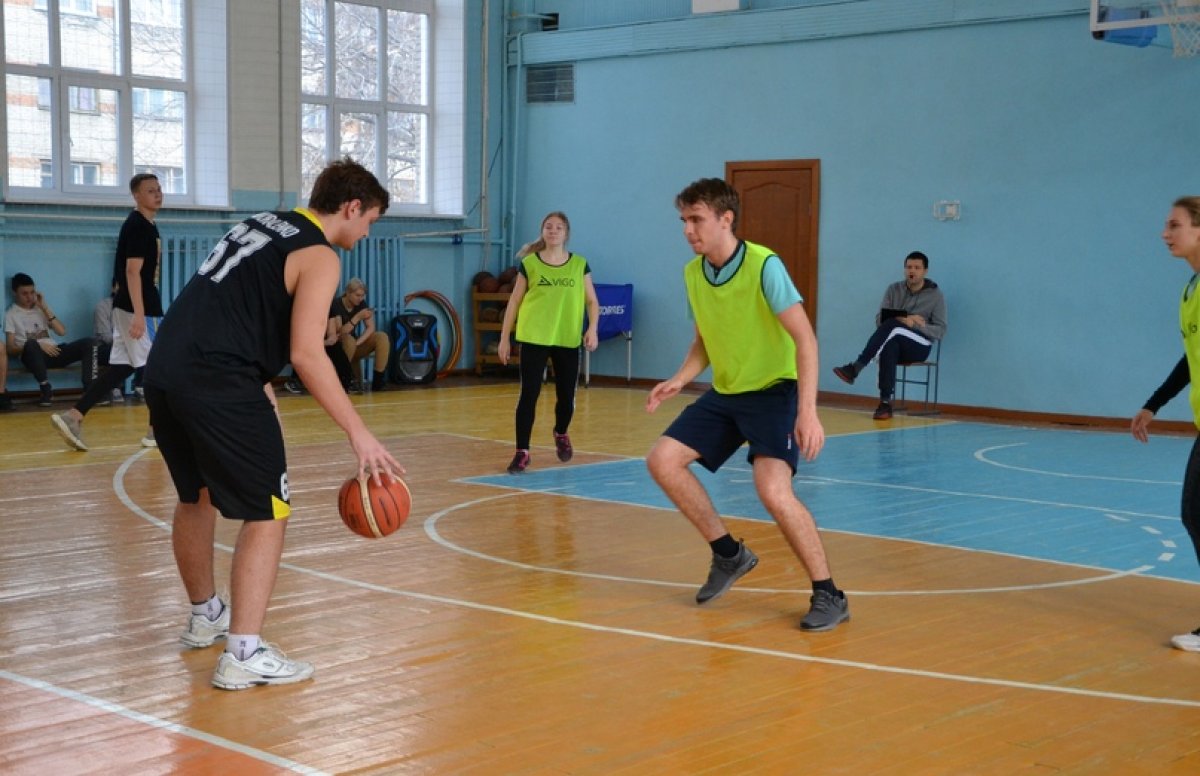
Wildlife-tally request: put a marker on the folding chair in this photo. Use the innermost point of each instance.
(929, 381)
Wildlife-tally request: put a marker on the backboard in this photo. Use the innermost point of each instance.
(1137, 22)
(1129, 14)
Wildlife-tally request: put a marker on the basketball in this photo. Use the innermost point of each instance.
(371, 510)
(488, 285)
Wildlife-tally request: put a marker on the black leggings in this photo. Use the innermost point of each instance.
(533, 367)
(1190, 507)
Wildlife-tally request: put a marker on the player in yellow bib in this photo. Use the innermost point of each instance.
(551, 291)
(1182, 236)
(752, 329)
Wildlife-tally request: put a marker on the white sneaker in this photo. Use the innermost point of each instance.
(1188, 642)
(203, 632)
(268, 665)
(70, 430)
(149, 440)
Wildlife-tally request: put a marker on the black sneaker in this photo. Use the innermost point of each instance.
(847, 372)
(46, 399)
(883, 411)
(724, 572)
(826, 612)
(292, 385)
(520, 462)
(6, 403)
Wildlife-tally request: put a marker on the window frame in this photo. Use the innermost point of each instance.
(334, 107)
(63, 79)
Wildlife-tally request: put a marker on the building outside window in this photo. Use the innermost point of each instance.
(71, 99)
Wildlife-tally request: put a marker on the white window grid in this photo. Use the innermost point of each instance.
(74, 91)
(324, 113)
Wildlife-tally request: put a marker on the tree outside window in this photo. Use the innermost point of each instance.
(70, 100)
(364, 76)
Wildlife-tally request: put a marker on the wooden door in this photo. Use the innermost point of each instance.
(780, 204)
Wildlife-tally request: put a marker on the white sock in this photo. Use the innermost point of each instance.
(211, 608)
(241, 646)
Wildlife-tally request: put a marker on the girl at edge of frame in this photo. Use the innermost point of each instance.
(551, 292)
(1182, 237)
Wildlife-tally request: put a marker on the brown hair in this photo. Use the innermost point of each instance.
(1192, 206)
(344, 181)
(539, 245)
(715, 193)
(139, 179)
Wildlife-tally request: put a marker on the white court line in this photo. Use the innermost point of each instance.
(1108, 573)
(986, 496)
(432, 532)
(712, 645)
(981, 455)
(155, 722)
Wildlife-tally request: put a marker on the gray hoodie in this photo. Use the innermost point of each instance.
(928, 303)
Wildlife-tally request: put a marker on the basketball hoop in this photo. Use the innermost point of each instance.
(1183, 17)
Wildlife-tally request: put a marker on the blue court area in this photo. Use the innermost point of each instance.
(1094, 499)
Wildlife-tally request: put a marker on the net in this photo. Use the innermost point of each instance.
(1183, 17)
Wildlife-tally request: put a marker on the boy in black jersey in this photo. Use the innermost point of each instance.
(260, 300)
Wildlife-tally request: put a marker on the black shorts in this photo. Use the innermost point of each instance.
(716, 425)
(233, 448)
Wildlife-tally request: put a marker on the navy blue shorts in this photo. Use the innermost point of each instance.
(233, 448)
(716, 425)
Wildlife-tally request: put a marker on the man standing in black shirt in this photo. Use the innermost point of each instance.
(260, 299)
(137, 307)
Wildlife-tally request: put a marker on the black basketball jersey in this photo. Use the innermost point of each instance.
(229, 332)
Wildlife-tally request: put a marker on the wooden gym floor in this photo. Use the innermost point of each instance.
(1012, 593)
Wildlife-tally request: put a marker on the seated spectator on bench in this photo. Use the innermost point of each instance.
(356, 330)
(29, 326)
(333, 349)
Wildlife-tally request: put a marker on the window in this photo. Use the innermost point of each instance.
(368, 91)
(82, 99)
(169, 178)
(98, 88)
(85, 174)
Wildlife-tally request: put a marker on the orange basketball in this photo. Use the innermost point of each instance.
(371, 510)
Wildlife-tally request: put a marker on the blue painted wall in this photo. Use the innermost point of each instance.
(1064, 152)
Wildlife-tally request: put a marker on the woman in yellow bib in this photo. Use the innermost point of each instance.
(1182, 236)
(552, 290)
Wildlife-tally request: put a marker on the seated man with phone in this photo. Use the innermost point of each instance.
(911, 317)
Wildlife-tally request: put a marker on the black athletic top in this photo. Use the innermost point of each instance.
(138, 240)
(339, 311)
(229, 332)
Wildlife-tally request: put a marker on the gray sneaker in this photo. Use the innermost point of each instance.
(724, 572)
(70, 430)
(826, 612)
